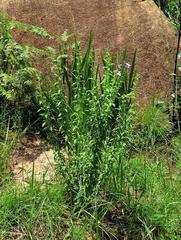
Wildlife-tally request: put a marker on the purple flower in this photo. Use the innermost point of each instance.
(119, 74)
(127, 65)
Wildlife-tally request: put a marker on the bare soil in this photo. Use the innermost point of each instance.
(32, 155)
(134, 24)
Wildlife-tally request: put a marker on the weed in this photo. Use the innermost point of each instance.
(93, 117)
(18, 75)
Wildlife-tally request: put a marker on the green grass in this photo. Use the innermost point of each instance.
(33, 213)
(159, 202)
(151, 210)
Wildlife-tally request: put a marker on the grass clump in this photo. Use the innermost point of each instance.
(33, 213)
(153, 125)
(156, 188)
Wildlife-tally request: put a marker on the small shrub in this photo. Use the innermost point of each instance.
(17, 74)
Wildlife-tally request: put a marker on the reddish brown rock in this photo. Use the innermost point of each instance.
(116, 24)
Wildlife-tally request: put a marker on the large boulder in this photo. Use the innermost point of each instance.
(134, 24)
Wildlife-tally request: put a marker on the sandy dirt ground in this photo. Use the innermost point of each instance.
(32, 155)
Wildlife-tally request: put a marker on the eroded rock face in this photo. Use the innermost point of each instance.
(135, 24)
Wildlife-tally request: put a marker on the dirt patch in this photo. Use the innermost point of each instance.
(134, 24)
(33, 157)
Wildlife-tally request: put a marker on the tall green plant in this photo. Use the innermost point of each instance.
(90, 108)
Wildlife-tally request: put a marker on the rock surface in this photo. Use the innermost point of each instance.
(134, 24)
